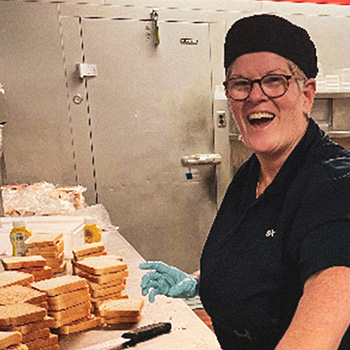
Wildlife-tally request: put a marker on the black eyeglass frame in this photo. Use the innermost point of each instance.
(258, 81)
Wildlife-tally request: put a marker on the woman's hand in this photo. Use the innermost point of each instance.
(167, 280)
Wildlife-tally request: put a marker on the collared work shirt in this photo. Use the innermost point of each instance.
(260, 251)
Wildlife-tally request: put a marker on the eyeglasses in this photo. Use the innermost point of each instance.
(272, 85)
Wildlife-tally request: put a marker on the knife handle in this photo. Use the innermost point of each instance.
(147, 332)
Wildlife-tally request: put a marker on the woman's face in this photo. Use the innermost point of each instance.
(270, 126)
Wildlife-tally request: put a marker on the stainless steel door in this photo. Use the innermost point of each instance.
(148, 107)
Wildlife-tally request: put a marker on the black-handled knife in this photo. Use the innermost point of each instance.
(133, 337)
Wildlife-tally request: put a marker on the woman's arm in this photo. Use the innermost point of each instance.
(323, 314)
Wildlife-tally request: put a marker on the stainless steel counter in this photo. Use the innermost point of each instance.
(188, 331)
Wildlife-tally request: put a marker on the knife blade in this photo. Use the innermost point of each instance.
(133, 337)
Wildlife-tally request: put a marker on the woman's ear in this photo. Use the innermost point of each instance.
(309, 92)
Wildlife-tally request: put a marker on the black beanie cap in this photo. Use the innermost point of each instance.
(273, 34)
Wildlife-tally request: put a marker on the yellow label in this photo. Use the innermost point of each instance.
(18, 236)
(92, 233)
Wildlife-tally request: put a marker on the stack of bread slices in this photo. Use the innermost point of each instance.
(26, 310)
(30, 321)
(35, 264)
(121, 311)
(69, 303)
(51, 247)
(106, 276)
(87, 250)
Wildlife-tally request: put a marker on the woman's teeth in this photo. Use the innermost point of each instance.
(260, 118)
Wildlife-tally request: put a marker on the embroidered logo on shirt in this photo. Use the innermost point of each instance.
(246, 334)
(270, 233)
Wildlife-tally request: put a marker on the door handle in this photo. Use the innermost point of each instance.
(201, 159)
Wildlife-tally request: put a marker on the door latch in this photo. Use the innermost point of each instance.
(86, 70)
(201, 159)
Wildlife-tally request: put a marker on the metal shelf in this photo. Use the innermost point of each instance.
(341, 134)
(333, 94)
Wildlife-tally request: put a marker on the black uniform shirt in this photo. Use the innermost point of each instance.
(260, 252)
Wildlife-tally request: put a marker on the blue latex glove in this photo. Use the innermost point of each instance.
(167, 280)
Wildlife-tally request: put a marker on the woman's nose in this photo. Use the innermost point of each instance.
(256, 93)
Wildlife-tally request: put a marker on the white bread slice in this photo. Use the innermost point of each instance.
(9, 338)
(39, 333)
(104, 252)
(117, 277)
(97, 286)
(37, 344)
(88, 248)
(82, 324)
(98, 265)
(21, 294)
(61, 284)
(71, 314)
(47, 250)
(17, 262)
(39, 274)
(46, 322)
(121, 319)
(43, 239)
(66, 300)
(107, 291)
(19, 314)
(121, 307)
(8, 278)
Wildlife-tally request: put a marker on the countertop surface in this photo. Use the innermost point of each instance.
(188, 331)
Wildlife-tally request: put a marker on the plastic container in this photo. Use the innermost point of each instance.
(18, 236)
(92, 233)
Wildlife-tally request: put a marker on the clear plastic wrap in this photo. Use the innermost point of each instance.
(41, 198)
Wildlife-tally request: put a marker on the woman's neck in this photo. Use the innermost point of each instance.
(269, 168)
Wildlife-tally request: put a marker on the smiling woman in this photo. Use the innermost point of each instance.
(271, 115)
(268, 278)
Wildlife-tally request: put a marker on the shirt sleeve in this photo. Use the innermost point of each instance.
(326, 246)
